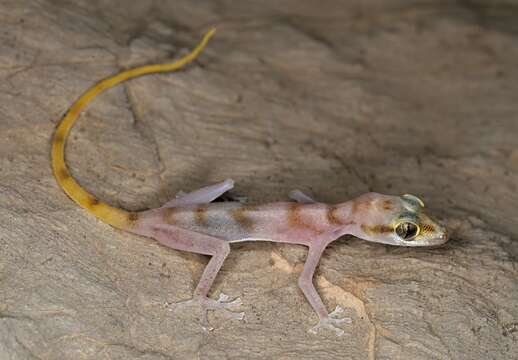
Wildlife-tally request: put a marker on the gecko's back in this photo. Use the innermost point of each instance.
(234, 221)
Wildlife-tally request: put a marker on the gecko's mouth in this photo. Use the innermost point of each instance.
(429, 242)
(438, 241)
(442, 239)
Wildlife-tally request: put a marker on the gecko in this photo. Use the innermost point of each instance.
(193, 222)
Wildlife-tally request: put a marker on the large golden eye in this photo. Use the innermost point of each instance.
(407, 230)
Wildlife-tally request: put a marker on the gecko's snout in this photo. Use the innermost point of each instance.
(444, 237)
(439, 239)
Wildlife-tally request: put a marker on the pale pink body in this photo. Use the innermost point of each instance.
(192, 223)
(286, 222)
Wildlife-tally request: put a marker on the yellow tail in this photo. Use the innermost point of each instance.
(116, 217)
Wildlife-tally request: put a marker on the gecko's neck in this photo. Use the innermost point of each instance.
(350, 214)
(341, 216)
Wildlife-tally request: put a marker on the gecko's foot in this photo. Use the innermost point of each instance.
(223, 303)
(331, 321)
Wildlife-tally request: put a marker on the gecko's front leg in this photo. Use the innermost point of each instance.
(181, 239)
(326, 320)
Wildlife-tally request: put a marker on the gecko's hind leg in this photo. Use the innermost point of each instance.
(218, 249)
(201, 196)
(300, 197)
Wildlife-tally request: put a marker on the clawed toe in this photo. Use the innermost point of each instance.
(173, 306)
(331, 321)
(328, 324)
(223, 303)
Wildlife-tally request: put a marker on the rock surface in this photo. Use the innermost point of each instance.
(395, 97)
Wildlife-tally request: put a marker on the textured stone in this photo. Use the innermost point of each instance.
(335, 98)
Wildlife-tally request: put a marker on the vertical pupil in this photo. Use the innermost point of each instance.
(406, 230)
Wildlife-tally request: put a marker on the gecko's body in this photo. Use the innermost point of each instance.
(288, 222)
(235, 222)
(191, 222)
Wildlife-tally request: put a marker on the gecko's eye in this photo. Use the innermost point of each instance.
(407, 230)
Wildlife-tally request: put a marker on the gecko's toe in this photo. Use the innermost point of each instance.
(328, 325)
(173, 306)
(224, 301)
(226, 306)
(336, 313)
(331, 321)
(223, 304)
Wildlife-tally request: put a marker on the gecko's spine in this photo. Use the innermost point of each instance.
(116, 217)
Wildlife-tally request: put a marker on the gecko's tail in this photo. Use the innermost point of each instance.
(116, 217)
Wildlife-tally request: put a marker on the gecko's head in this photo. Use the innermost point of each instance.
(396, 220)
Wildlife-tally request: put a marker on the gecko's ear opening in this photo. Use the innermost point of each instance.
(413, 200)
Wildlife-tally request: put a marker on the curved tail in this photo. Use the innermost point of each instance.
(116, 217)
